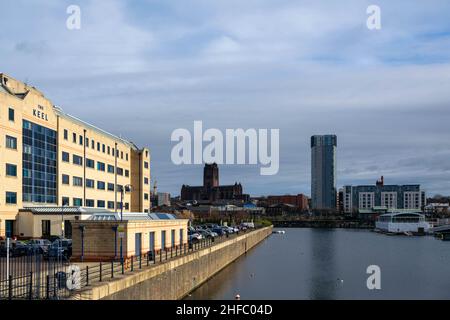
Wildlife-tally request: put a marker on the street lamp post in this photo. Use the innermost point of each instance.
(126, 188)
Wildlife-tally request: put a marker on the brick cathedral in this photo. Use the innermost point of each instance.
(211, 190)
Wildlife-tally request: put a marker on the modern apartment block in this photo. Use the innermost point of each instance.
(323, 172)
(50, 158)
(390, 197)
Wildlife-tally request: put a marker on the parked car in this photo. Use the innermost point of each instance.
(195, 237)
(219, 231)
(208, 234)
(39, 245)
(248, 225)
(16, 248)
(60, 248)
(228, 230)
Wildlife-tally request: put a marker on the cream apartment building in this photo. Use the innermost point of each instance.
(50, 158)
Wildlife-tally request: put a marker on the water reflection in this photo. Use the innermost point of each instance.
(324, 281)
(310, 264)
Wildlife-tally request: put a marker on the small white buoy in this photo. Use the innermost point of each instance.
(238, 297)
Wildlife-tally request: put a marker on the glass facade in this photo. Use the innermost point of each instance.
(323, 171)
(39, 164)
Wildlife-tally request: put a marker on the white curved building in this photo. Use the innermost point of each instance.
(400, 222)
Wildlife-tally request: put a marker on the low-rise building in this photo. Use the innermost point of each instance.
(106, 236)
(43, 222)
(299, 201)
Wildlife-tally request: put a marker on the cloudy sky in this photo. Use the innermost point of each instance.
(143, 68)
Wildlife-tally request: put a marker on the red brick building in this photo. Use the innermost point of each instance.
(300, 201)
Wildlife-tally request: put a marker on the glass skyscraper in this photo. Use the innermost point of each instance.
(323, 171)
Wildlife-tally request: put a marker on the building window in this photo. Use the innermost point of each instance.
(100, 166)
(146, 154)
(77, 160)
(74, 137)
(109, 150)
(87, 142)
(103, 148)
(90, 203)
(110, 168)
(90, 183)
(65, 157)
(65, 201)
(100, 185)
(145, 180)
(11, 170)
(126, 156)
(11, 197)
(98, 146)
(92, 144)
(127, 173)
(90, 163)
(81, 140)
(77, 181)
(119, 171)
(11, 114)
(145, 196)
(77, 202)
(145, 164)
(110, 186)
(40, 166)
(65, 179)
(66, 134)
(110, 204)
(46, 231)
(11, 142)
(127, 206)
(100, 203)
(121, 154)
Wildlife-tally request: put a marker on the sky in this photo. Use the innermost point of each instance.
(143, 68)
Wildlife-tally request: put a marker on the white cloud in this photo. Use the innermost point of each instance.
(306, 67)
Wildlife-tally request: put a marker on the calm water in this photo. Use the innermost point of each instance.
(309, 263)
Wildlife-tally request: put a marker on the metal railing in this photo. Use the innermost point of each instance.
(32, 276)
(37, 277)
(105, 271)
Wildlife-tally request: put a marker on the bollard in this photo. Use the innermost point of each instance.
(166, 253)
(148, 258)
(123, 267)
(140, 261)
(154, 256)
(160, 255)
(132, 264)
(100, 271)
